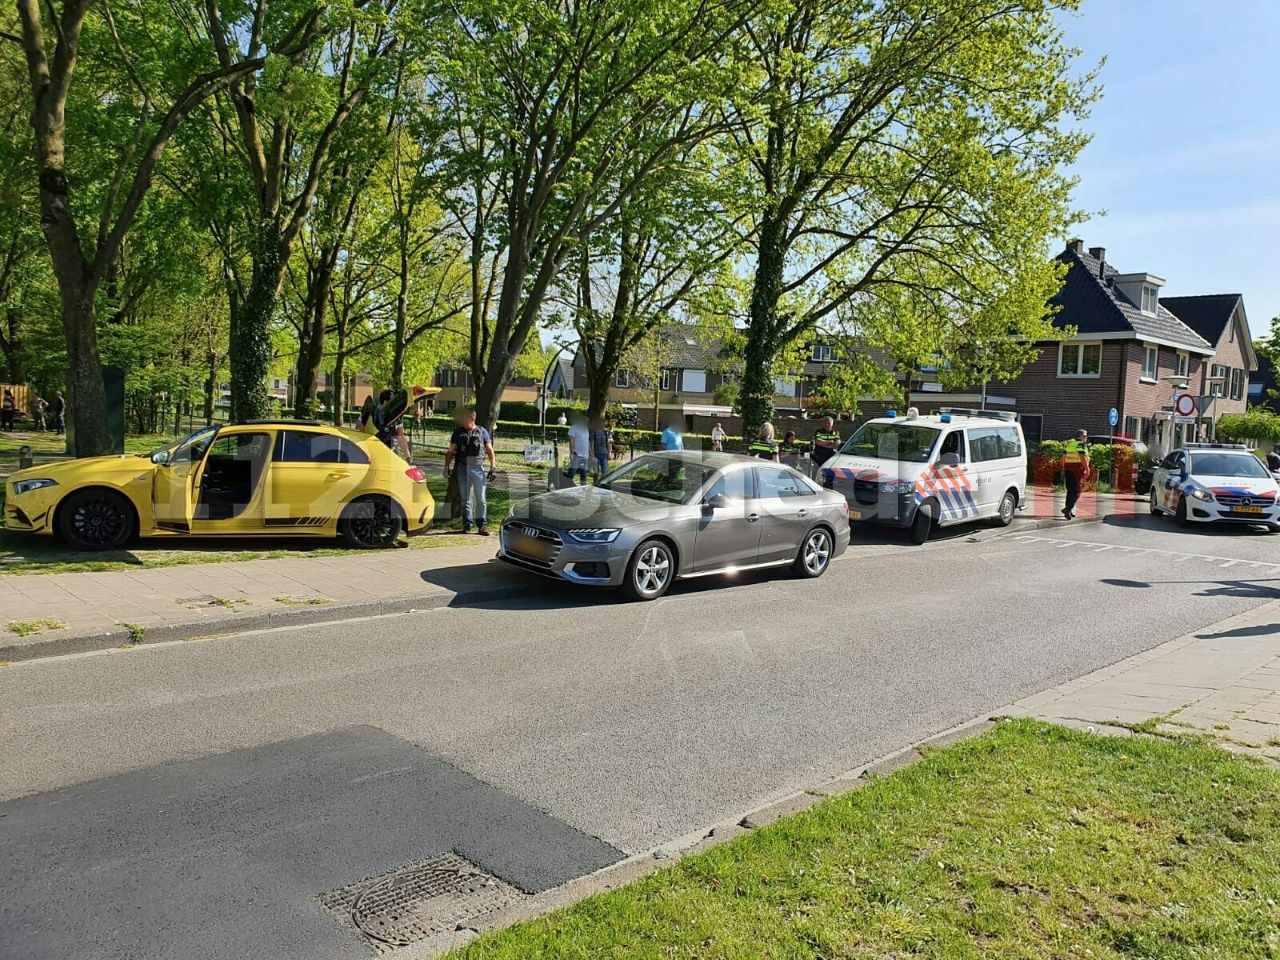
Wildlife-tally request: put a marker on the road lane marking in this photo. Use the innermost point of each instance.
(1180, 556)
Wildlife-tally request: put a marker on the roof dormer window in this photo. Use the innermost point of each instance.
(1150, 299)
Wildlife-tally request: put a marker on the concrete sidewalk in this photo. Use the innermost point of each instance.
(100, 610)
(1222, 681)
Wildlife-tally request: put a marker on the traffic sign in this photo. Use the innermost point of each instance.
(1113, 416)
(1184, 405)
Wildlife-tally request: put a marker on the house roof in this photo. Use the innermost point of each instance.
(1092, 304)
(1210, 314)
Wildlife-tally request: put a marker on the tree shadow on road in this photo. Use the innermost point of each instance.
(1240, 589)
(1260, 630)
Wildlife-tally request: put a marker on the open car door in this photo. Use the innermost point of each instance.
(173, 486)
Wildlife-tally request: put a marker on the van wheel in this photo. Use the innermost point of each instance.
(922, 523)
(1008, 506)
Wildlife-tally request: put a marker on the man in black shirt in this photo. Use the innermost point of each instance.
(468, 448)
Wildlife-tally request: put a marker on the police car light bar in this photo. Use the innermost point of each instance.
(991, 414)
(1216, 446)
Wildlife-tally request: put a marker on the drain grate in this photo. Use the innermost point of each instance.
(421, 901)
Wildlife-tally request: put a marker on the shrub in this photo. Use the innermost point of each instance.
(1255, 424)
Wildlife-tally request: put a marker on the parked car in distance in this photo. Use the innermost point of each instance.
(284, 478)
(914, 471)
(1216, 483)
(674, 515)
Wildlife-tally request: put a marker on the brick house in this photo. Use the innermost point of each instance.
(1131, 351)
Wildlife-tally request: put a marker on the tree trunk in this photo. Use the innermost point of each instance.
(311, 343)
(755, 397)
(13, 346)
(211, 389)
(251, 330)
(339, 384)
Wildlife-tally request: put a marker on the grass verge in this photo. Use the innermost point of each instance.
(1029, 842)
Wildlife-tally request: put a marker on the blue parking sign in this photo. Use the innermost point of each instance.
(1113, 417)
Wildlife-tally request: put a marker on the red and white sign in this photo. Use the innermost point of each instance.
(1184, 405)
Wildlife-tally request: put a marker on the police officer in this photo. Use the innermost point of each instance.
(825, 442)
(764, 447)
(1075, 467)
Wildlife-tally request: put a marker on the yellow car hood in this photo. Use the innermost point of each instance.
(110, 469)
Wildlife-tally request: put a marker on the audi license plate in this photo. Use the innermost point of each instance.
(528, 546)
(1246, 509)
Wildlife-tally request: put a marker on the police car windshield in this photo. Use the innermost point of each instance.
(907, 442)
(1228, 465)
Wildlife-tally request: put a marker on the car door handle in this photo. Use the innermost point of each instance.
(802, 512)
(752, 517)
(339, 474)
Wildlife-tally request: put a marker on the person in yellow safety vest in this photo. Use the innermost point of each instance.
(1076, 468)
(826, 442)
(764, 447)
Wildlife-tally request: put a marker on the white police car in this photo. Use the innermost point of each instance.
(1216, 483)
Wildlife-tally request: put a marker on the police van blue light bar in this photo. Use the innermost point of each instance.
(945, 418)
(891, 414)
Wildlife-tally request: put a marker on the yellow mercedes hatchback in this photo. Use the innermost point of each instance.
(277, 478)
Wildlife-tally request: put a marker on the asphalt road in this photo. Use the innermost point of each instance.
(630, 724)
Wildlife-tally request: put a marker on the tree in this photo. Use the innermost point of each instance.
(52, 49)
(543, 104)
(285, 125)
(905, 161)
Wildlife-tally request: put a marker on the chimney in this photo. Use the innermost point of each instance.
(1076, 245)
(1100, 254)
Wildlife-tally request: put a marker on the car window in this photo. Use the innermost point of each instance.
(732, 485)
(994, 443)
(192, 447)
(300, 446)
(658, 477)
(781, 483)
(239, 446)
(1227, 465)
(953, 442)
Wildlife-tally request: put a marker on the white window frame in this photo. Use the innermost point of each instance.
(823, 353)
(1219, 388)
(1184, 363)
(1150, 299)
(668, 378)
(1153, 374)
(1079, 346)
(622, 378)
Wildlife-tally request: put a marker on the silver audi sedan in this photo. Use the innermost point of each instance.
(678, 514)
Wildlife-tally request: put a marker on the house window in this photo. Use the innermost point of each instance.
(1150, 300)
(823, 353)
(1150, 362)
(694, 381)
(669, 378)
(1218, 380)
(622, 378)
(1237, 383)
(1079, 360)
(784, 387)
(1131, 427)
(1184, 363)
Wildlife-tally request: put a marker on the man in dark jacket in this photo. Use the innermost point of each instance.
(468, 448)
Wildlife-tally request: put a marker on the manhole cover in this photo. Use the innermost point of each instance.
(421, 901)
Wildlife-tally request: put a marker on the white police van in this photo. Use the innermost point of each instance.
(917, 471)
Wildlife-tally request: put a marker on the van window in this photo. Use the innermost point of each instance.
(953, 443)
(994, 443)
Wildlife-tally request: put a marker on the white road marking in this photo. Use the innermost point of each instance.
(1178, 555)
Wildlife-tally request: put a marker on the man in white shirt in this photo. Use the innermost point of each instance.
(717, 438)
(579, 448)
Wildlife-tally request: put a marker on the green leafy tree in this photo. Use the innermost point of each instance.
(904, 161)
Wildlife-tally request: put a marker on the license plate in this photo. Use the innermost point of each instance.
(1246, 509)
(528, 546)
(855, 514)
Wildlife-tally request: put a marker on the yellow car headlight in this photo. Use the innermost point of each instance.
(26, 486)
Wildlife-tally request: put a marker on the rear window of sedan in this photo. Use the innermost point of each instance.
(301, 446)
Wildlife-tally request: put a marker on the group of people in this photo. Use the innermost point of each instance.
(589, 447)
(43, 415)
(765, 445)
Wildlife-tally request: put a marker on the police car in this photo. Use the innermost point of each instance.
(1216, 483)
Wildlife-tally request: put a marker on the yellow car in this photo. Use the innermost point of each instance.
(282, 478)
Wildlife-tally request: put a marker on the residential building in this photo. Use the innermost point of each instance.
(1132, 350)
(457, 388)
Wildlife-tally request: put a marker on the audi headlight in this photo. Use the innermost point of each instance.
(898, 486)
(1201, 495)
(26, 486)
(595, 534)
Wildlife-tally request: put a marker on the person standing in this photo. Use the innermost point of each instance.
(579, 449)
(8, 410)
(671, 438)
(562, 419)
(39, 409)
(826, 442)
(391, 434)
(717, 438)
(599, 448)
(59, 413)
(764, 447)
(469, 446)
(1076, 469)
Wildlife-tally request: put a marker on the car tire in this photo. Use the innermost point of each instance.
(1155, 503)
(370, 523)
(1273, 528)
(1181, 514)
(95, 520)
(650, 570)
(922, 523)
(1008, 507)
(814, 555)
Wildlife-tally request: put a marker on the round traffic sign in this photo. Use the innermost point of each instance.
(1185, 405)
(1113, 416)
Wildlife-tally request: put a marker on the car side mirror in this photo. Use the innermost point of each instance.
(160, 457)
(718, 502)
(949, 460)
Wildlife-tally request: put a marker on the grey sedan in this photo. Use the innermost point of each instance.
(679, 514)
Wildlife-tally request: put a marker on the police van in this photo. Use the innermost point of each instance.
(919, 472)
